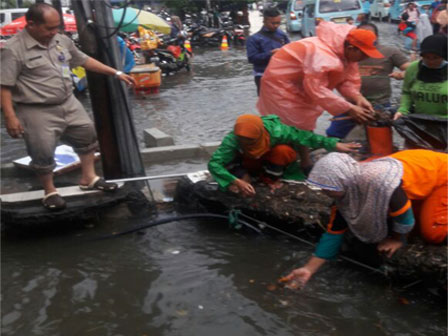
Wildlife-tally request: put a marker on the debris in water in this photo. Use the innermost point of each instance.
(201, 307)
(283, 280)
(290, 284)
(271, 287)
(293, 285)
(403, 300)
(182, 312)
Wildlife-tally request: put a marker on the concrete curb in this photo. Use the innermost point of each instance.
(149, 155)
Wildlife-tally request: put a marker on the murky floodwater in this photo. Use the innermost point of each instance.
(194, 277)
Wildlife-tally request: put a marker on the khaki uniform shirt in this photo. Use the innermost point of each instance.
(39, 74)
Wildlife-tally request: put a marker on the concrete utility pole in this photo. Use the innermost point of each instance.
(57, 4)
(120, 152)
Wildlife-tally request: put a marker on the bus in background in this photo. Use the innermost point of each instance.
(337, 11)
(294, 13)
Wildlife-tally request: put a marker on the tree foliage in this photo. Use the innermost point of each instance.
(5, 4)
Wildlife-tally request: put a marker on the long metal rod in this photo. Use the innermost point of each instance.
(146, 178)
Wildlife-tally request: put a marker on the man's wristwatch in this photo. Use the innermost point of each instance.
(118, 74)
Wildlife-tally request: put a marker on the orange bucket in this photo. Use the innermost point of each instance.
(380, 140)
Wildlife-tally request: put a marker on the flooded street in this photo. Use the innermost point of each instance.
(195, 278)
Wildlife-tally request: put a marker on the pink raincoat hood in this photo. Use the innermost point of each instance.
(333, 35)
(299, 81)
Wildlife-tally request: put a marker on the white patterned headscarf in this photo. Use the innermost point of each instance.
(367, 188)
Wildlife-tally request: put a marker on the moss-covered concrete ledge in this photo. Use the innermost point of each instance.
(303, 212)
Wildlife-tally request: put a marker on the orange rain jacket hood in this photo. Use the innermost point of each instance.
(299, 80)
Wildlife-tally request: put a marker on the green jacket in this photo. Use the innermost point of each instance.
(280, 134)
(426, 98)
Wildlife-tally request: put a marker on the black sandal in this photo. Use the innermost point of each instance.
(53, 201)
(99, 184)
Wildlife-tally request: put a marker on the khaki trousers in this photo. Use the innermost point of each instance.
(46, 125)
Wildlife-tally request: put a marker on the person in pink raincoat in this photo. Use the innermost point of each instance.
(299, 81)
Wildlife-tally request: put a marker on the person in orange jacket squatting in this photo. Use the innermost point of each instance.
(299, 81)
(368, 194)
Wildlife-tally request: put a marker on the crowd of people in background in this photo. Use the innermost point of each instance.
(297, 83)
(416, 26)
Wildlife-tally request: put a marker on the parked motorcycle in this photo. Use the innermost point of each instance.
(203, 36)
(164, 15)
(173, 58)
(133, 43)
(239, 37)
(235, 33)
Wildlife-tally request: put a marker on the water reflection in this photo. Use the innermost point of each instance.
(193, 278)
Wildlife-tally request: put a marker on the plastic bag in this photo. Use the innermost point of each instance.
(423, 131)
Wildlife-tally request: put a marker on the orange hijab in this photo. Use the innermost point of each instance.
(251, 126)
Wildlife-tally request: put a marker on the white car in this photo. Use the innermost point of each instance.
(379, 9)
(9, 15)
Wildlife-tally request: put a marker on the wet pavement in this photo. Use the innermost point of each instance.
(194, 277)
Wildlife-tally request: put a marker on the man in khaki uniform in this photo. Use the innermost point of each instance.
(38, 102)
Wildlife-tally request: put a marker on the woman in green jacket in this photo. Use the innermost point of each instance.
(425, 87)
(265, 147)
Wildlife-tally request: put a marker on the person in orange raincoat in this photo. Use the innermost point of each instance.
(403, 189)
(299, 81)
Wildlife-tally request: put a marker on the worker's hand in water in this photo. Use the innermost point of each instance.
(347, 147)
(389, 246)
(244, 187)
(360, 114)
(297, 278)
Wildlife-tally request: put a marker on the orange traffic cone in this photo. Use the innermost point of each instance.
(187, 46)
(224, 44)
